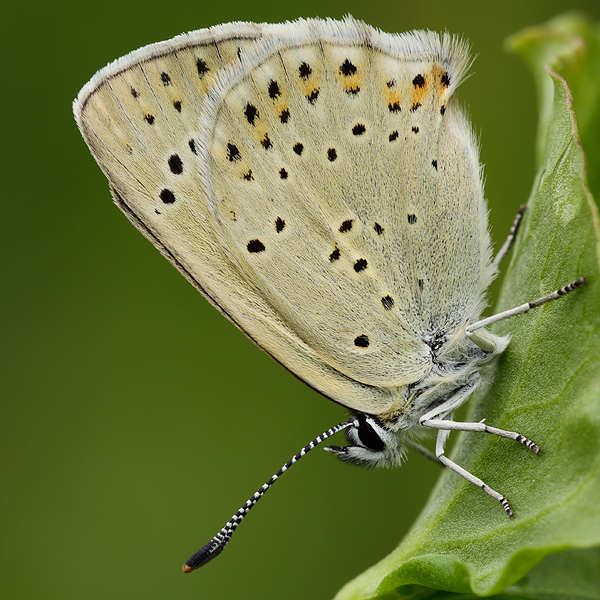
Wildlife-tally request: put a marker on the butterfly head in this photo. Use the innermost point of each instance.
(371, 444)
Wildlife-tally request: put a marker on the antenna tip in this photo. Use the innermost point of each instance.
(186, 568)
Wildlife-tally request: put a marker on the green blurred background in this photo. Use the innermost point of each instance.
(135, 419)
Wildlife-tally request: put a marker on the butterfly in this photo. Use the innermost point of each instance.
(318, 183)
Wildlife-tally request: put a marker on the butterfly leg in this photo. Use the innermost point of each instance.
(443, 424)
(428, 454)
(456, 400)
(511, 237)
(523, 308)
(440, 444)
(440, 418)
(437, 418)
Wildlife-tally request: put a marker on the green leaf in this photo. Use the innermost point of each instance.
(570, 46)
(569, 575)
(546, 384)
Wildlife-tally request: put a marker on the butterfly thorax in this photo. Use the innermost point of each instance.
(453, 361)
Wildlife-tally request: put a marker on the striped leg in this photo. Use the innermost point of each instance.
(511, 237)
(525, 307)
(445, 425)
(439, 450)
(482, 427)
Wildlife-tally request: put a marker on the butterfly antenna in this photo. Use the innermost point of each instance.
(219, 541)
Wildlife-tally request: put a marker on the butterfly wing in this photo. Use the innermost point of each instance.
(200, 149)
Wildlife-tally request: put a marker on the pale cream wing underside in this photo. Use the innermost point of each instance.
(138, 113)
(141, 119)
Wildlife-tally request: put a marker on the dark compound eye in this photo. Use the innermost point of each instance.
(369, 437)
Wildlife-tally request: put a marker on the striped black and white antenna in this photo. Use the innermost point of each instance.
(219, 541)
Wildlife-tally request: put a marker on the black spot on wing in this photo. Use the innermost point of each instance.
(387, 302)
(175, 164)
(304, 70)
(279, 224)
(274, 91)
(312, 97)
(360, 265)
(419, 81)
(202, 67)
(233, 152)
(167, 196)
(251, 113)
(362, 341)
(255, 246)
(346, 226)
(266, 142)
(347, 68)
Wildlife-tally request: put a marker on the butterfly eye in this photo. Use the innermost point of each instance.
(369, 437)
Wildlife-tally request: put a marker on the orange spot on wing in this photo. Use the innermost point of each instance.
(280, 102)
(419, 92)
(309, 86)
(440, 78)
(259, 131)
(280, 105)
(441, 82)
(351, 83)
(393, 97)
